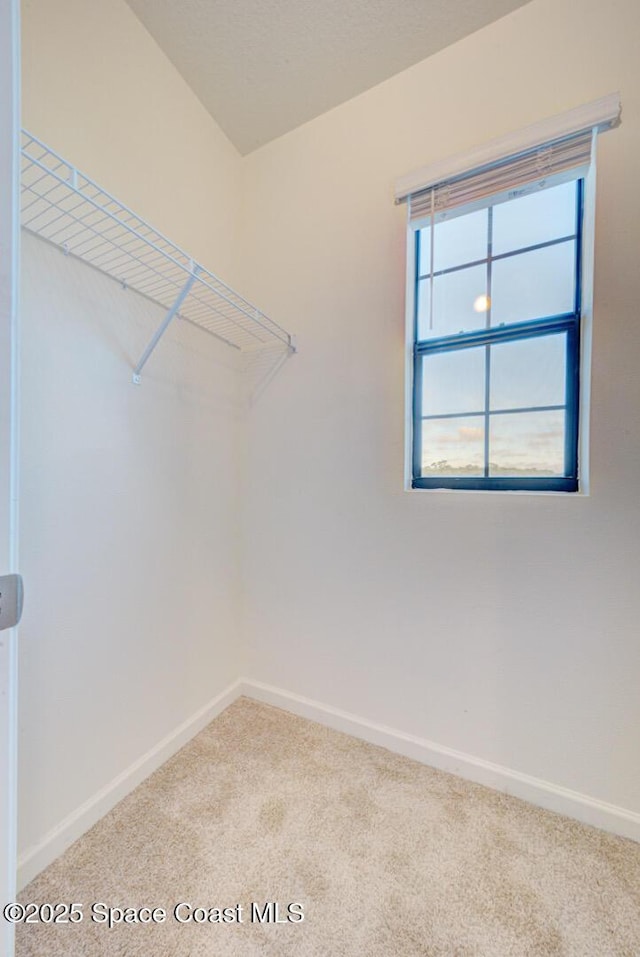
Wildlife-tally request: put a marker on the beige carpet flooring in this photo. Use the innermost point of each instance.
(388, 858)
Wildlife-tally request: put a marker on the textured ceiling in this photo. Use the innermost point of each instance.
(263, 67)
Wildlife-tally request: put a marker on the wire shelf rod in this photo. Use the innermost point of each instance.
(158, 236)
(88, 254)
(113, 216)
(210, 332)
(71, 211)
(101, 240)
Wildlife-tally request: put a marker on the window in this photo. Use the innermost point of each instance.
(496, 359)
(496, 310)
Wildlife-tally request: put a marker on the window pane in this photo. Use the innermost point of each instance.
(461, 240)
(457, 241)
(533, 219)
(527, 443)
(424, 307)
(533, 285)
(453, 382)
(453, 446)
(454, 295)
(528, 372)
(425, 251)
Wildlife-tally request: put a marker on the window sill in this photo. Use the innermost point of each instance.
(492, 493)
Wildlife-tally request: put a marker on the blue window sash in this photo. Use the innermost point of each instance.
(568, 323)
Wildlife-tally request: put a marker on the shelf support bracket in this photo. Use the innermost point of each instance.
(162, 328)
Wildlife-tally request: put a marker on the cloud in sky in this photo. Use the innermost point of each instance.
(547, 439)
(466, 432)
(461, 436)
(522, 441)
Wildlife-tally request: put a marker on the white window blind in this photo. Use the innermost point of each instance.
(543, 155)
(537, 169)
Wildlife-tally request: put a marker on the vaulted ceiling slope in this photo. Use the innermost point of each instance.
(263, 67)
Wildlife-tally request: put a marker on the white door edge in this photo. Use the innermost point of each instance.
(9, 286)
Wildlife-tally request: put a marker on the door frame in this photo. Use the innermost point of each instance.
(9, 293)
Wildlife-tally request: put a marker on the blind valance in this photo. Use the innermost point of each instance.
(517, 176)
(542, 155)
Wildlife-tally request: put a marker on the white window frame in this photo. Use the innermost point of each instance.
(597, 116)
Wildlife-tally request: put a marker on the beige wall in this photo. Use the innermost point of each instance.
(97, 88)
(129, 503)
(505, 627)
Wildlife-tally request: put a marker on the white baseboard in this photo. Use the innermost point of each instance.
(553, 797)
(36, 858)
(581, 807)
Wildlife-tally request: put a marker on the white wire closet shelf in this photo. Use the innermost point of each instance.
(65, 207)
